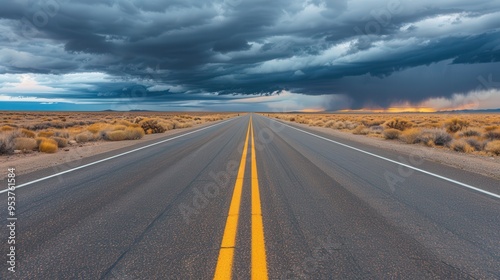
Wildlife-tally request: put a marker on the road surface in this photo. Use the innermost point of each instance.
(254, 198)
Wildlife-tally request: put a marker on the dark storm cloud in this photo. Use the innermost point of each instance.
(231, 47)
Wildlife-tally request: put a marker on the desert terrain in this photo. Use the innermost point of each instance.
(465, 133)
(50, 132)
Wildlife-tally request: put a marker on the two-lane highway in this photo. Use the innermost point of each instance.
(254, 198)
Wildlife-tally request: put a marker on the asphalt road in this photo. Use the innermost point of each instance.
(289, 205)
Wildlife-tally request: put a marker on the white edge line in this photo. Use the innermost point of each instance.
(396, 162)
(112, 157)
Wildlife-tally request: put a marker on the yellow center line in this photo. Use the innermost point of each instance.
(226, 255)
(259, 263)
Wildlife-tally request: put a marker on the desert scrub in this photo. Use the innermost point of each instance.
(7, 144)
(319, 123)
(28, 133)
(134, 133)
(437, 137)
(470, 132)
(25, 144)
(492, 134)
(411, 136)
(117, 135)
(48, 146)
(45, 133)
(391, 133)
(151, 126)
(493, 147)
(179, 124)
(461, 146)
(399, 124)
(85, 136)
(455, 124)
(7, 128)
(131, 133)
(61, 142)
(476, 143)
(361, 130)
(376, 129)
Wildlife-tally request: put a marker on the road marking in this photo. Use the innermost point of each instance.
(226, 255)
(396, 162)
(112, 157)
(259, 262)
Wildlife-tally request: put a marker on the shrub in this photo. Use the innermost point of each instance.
(62, 134)
(391, 133)
(117, 135)
(6, 128)
(492, 134)
(455, 124)
(370, 123)
(178, 124)
(48, 146)
(475, 143)
(61, 142)
(493, 147)
(119, 127)
(96, 127)
(350, 125)
(151, 126)
(376, 129)
(490, 127)
(133, 133)
(317, 123)
(122, 122)
(7, 142)
(45, 133)
(329, 123)
(410, 136)
(138, 119)
(461, 146)
(25, 144)
(361, 130)
(28, 133)
(39, 140)
(399, 124)
(470, 132)
(84, 137)
(435, 136)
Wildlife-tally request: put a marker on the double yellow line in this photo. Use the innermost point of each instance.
(226, 254)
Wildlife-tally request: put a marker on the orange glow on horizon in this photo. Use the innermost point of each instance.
(393, 110)
(312, 110)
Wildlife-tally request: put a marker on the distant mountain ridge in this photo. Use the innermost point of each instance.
(472, 111)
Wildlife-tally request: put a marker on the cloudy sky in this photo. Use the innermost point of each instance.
(239, 55)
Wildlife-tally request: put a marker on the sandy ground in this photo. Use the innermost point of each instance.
(485, 165)
(25, 163)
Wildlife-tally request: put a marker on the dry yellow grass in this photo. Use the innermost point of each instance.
(48, 146)
(493, 147)
(468, 133)
(61, 142)
(117, 135)
(93, 126)
(28, 133)
(7, 128)
(45, 133)
(461, 146)
(25, 144)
